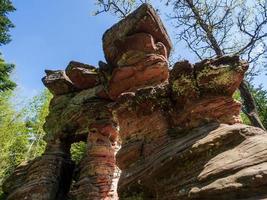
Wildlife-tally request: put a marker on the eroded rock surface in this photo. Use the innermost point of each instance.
(143, 20)
(151, 132)
(43, 178)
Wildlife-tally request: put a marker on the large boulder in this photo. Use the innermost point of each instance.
(142, 20)
(137, 49)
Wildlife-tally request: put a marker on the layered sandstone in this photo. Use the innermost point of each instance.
(151, 132)
(42, 178)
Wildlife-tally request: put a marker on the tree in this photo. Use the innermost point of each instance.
(21, 131)
(120, 8)
(5, 24)
(36, 112)
(260, 95)
(224, 27)
(210, 28)
(13, 143)
(5, 71)
(261, 102)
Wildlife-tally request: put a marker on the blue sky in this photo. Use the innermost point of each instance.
(50, 33)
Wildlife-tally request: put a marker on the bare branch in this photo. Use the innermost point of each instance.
(120, 8)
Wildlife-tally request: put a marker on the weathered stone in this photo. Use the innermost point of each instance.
(172, 138)
(150, 70)
(46, 178)
(137, 53)
(213, 161)
(133, 48)
(213, 77)
(57, 82)
(184, 84)
(220, 109)
(71, 115)
(220, 76)
(82, 76)
(98, 172)
(143, 20)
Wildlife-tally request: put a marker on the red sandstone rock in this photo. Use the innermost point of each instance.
(138, 58)
(97, 169)
(151, 70)
(178, 139)
(57, 82)
(82, 76)
(143, 20)
(45, 178)
(220, 109)
(132, 48)
(72, 115)
(225, 162)
(214, 77)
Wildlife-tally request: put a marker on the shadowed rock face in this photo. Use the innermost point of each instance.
(151, 132)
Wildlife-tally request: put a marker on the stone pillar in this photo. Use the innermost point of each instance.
(98, 173)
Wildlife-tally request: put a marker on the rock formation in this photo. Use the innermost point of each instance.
(151, 132)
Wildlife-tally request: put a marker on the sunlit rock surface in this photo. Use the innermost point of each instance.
(151, 132)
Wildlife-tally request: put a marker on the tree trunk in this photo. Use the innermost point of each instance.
(248, 100)
(250, 106)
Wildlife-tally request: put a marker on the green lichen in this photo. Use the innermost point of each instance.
(84, 96)
(211, 71)
(223, 79)
(184, 84)
(221, 76)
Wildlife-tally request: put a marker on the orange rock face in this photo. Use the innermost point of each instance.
(151, 132)
(147, 71)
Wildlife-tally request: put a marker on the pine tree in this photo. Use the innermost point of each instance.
(5, 24)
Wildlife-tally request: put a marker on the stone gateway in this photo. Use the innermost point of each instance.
(152, 132)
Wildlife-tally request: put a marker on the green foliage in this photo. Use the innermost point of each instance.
(21, 131)
(260, 96)
(13, 143)
(37, 111)
(5, 71)
(5, 24)
(78, 150)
